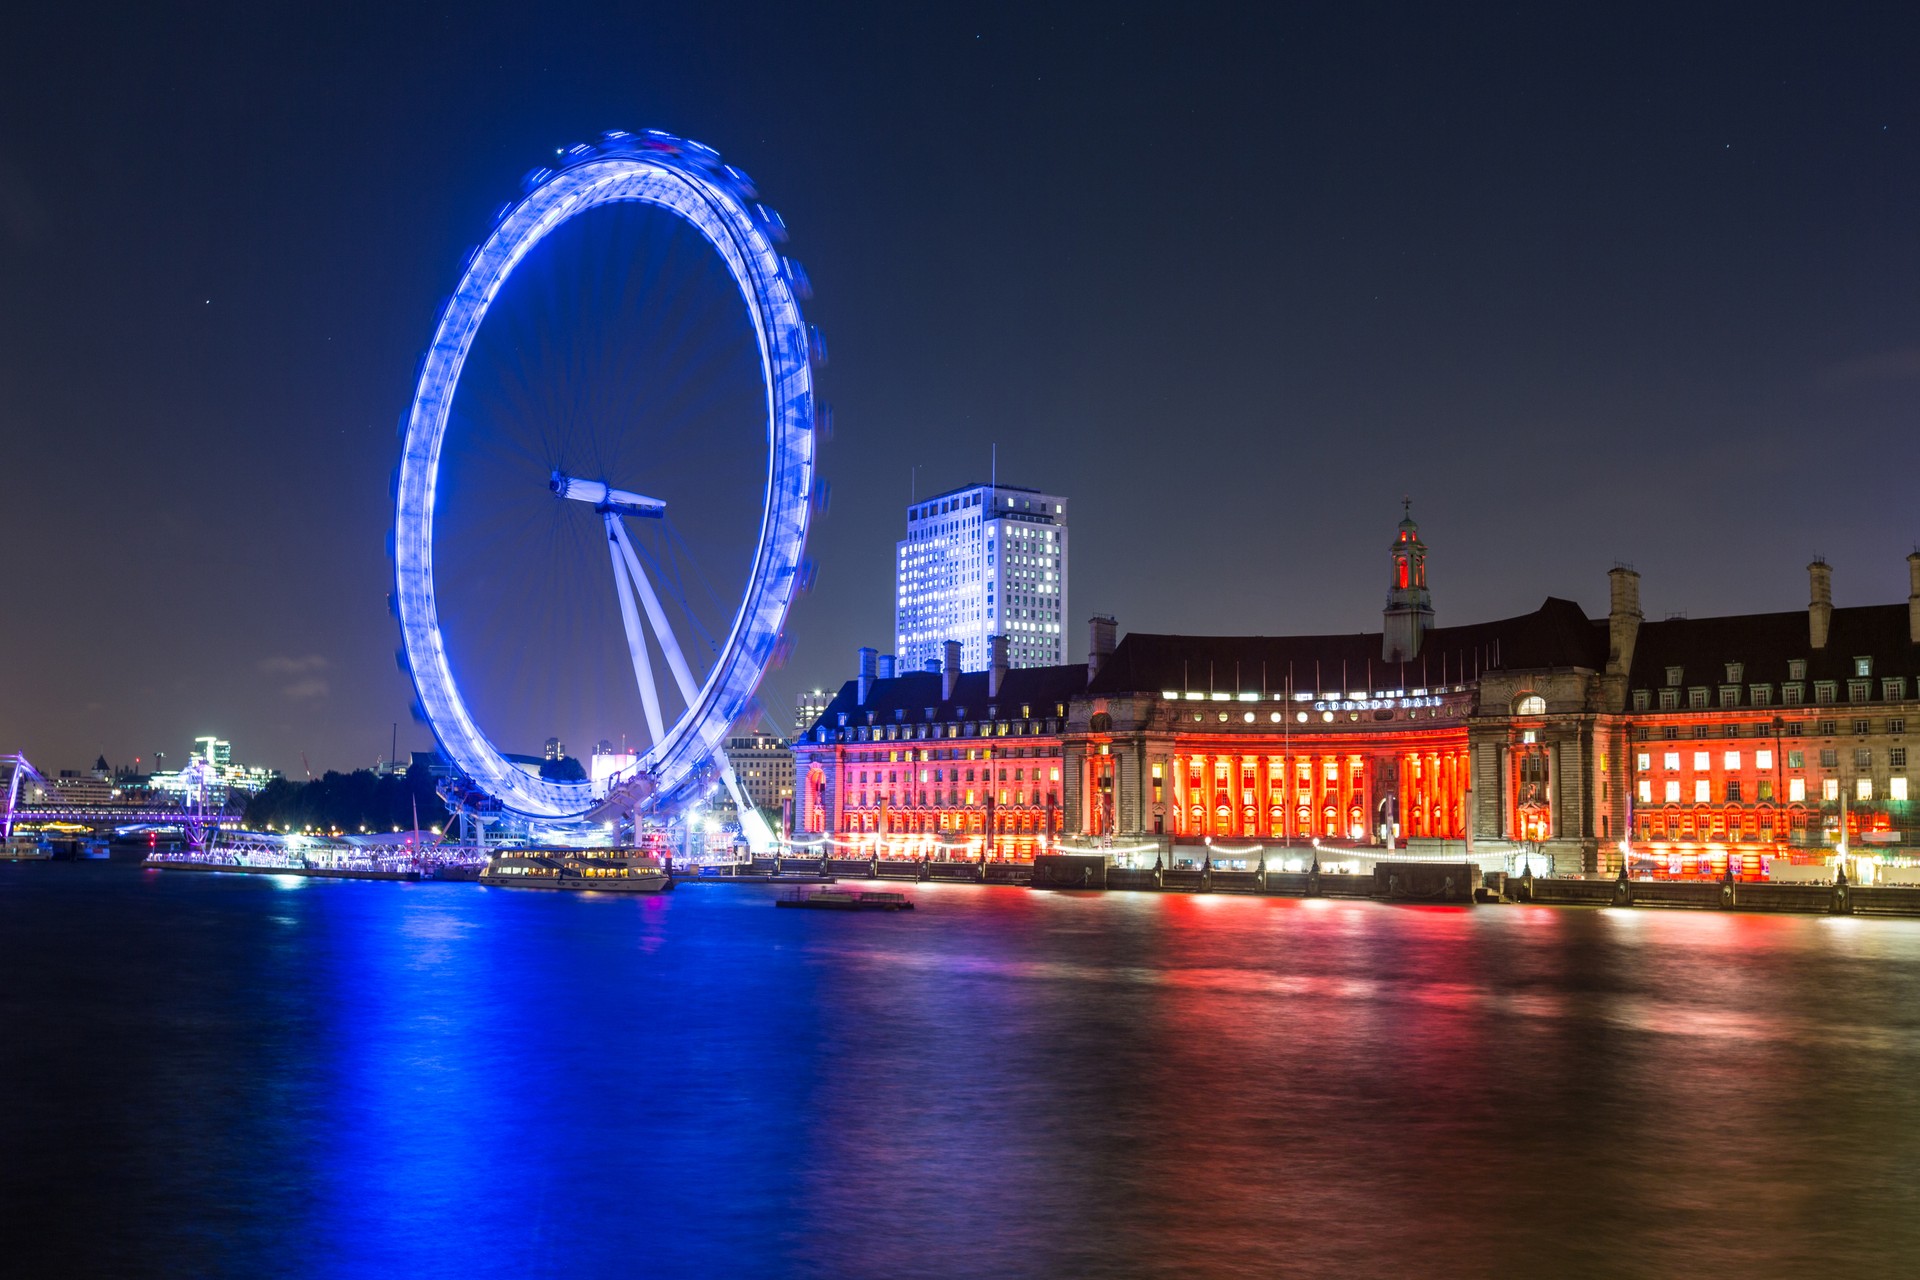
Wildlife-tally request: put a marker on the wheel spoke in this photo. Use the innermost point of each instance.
(662, 631)
(636, 639)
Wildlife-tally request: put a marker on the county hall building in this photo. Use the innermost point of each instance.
(1689, 744)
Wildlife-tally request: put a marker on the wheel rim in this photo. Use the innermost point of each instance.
(687, 181)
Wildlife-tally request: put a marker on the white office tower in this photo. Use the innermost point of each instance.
(977, 562)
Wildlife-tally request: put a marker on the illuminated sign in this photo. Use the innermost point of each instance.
(1376, 704)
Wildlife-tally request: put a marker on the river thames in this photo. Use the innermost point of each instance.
(226, 1075)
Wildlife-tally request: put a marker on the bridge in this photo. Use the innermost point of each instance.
(17, 808)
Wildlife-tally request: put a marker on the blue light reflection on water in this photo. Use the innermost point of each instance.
(227, 1075)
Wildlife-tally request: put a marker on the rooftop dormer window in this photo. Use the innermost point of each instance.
(1673, 676)
(1735, 672)
(1796, 669)
(1863, 666)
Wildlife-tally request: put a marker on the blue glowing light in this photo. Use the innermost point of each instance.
(688, 180)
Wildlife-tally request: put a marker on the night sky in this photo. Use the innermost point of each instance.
(1589, 285)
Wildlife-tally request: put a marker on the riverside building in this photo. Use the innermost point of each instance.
(764, 766)
(940, 761)
(1545, 740)
(981, 561)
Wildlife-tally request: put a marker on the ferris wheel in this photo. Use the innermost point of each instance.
(630, 454)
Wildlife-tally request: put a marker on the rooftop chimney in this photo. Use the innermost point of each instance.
(1100, 629)
(951, 676)
(997, 662)
(868, 661)
(1913, 598)
(1623, 619)
(931, 666)
(886, 666)
(1820, 609)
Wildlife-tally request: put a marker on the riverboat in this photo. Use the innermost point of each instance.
(601, 870)
(847, 900)
(25, 846)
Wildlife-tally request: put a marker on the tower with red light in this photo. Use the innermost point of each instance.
(1409, 611)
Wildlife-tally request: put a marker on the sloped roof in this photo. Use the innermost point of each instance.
(1557, 634)
(1763, 643)
(907, 697)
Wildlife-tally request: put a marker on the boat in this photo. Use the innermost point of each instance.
(847, 900)
(25, 846)
(601, 870)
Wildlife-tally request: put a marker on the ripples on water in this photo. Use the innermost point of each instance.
(253, 1076)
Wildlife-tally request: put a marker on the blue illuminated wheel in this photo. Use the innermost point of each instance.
(604, 500)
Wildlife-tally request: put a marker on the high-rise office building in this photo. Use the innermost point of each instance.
(807, 708)
(981, 561)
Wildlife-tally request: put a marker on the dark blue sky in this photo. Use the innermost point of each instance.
(1591, 284)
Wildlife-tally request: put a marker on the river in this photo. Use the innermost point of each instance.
(251, 1076)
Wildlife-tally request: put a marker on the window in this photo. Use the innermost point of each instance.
(1863, 666)
(1863, 788)
(1733, 760)
(1825, 728)
(1829, 789)
(1643, 762)
(1762, 695)
(1863, 757)
(1897, 757)
(1702, 760)
(1733, 791)
(1697, 699)
(1766, 790)
(1897, 789)
(1702, 791)
(1734, 670)
(1729, 695)
(1790, 695)
(1641, 699)
(1763, 759)
(1859, 690)
(1794, 728)
(1669, 699)
(1894, 688)
(1823, 691)
(1862, 727)
(1897, 724)
(1646, 791)
(1796, 669)
(1673, 793)
(1670, 731)
(1672, 760)
(1673, 677)
(1702, 731)
(1531, 705)
(1796, 759)
(1796, 788)
(1829, 758)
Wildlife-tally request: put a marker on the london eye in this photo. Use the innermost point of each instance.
(605, 483)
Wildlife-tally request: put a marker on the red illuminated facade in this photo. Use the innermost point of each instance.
(943, 762)
(1688, 744)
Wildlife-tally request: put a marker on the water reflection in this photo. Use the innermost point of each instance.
(352, 1080)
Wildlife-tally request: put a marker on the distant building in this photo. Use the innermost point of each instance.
(981, 561)
(556, 750)
(764, 766)
(807, 708)
(210, 769)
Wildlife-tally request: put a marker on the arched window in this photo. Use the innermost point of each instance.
(1530, 705)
